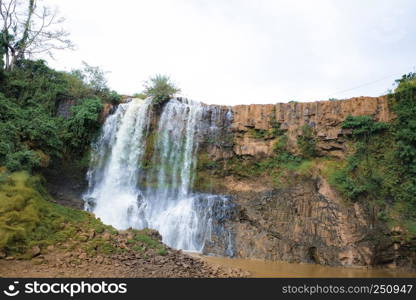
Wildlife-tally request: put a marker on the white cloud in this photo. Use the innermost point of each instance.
(232, 52)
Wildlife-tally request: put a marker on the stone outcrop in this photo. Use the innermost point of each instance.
(305, 220)
(299, 224)
(308, 222)
(108, 109)
(324, 117)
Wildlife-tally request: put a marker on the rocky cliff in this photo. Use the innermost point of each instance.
(324, 117)
(302, 219)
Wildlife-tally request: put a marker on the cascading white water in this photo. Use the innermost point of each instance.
(115, 165)
(163, 200)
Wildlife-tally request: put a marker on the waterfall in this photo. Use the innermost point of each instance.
(126, 191)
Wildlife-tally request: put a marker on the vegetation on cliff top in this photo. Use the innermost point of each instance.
(382, 169)
(31, 132)
(160, 88)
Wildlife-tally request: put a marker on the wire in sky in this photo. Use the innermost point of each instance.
(365, 84)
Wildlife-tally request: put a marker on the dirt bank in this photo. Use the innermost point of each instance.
(127, 264)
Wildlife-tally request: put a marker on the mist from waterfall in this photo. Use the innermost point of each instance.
(127, 191)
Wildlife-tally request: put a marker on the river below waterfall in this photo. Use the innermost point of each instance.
(275, 269)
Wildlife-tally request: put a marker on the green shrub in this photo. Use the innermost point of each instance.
(406, 83)
(147, 240)
(83, 124)
(162, 251)
(31, 133)
(363, 127)
(307, 142)
(160, 88)
(140, 96)
(261, 134)
(382, 169)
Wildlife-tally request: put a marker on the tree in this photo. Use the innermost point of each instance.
(93, 77)
(160, 88)
(28, 29)
(407, 82)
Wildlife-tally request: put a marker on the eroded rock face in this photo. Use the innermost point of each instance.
(308, 222)
(300, 224)
(324, 117)
(108, 109)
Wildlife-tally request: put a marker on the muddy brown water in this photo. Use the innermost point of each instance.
(264, 268)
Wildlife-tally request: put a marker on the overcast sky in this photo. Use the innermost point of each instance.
(242, 52)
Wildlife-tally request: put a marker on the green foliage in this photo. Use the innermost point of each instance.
(144, 241)
(140, 96)
(24, 159)
(31, 134)
(404, 130)
(406, 83)
(205, 163)
(147, 240)
(160, 88)
(363, 127)
(307, 142)
(27, 219)
(275, 131)
(162, 252)
(382, 169)
(361, 176)
(27, 134)
(94, 78)
(2, 53)
(261, 134)
(83, 124)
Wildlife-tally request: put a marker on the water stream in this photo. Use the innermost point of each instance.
(273, 269)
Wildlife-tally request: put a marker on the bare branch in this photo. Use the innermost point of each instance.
(30, 29)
